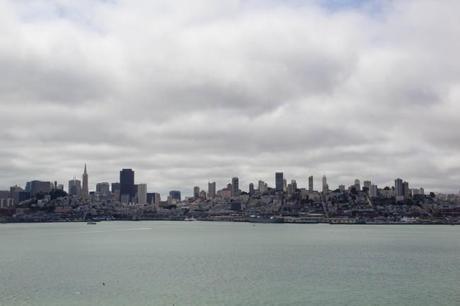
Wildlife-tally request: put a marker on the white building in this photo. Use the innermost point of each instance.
(142, 193)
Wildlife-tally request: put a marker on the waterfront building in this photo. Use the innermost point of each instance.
(310, 183)
(211, 190)
(84, 188)
(127, 188)
(142, 194)
(75, 187)
(6, 203)
(153, 198)
(5, 194)
(279, 181)
(235, 187)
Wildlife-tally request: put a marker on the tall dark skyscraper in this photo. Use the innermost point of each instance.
(127, 187)
(279, 181)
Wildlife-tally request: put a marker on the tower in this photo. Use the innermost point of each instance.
(211, 190)
(310, 183)
(127, 188)
(84, 187)
(235, 187)
(279, 181)
(325, 185)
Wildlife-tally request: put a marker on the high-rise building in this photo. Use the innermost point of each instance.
(294, 185)
(262, 186)
(115, 187)
(357, 185)
(399, 187)
(18, 194)
(84, 187)
(153, 198)
(142, 194)
(211, 190)
(35, 187)
(235, 187)
(251, 189)
(75, 187)
(367, 185)
(310, 183)
(127, 188)
(406, 190)
(279, 181)
(175, 195)
(342, 188)
(325, 185)
(373, 191)
(196, 192)
(103, 188)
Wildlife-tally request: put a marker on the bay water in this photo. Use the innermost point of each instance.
(218, 263)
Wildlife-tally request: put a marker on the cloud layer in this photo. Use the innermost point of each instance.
(190, 91)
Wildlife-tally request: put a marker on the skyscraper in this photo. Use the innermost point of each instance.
(251, 188)
(196, 192)
(373, 191)
(103, 188)
(367, 185)
(279, 181)
(399, 187)
(75, 187)
(211, 190)
(325, 185)
(357, 185)
(35, 187)
(142, 194)
(406, 190)
(262, 186)
(310, 183)
(175, 195)
(235, 187)
(84, 187)
(127, 188)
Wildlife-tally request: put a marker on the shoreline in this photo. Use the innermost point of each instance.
(226, 221)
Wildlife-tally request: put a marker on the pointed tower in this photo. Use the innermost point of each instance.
(84, 187)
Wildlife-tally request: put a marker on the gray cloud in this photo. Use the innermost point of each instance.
(185, 92)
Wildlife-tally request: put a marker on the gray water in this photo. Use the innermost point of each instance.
(199, 263)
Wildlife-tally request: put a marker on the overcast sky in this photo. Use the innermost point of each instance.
(189, 91)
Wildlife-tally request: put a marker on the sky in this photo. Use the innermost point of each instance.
(186, 92)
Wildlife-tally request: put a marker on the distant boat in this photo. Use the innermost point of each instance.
(190, 219)
(91, 222)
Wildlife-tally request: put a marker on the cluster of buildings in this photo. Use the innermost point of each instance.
(284, 202)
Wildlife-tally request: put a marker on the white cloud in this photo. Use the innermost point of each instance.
(186, 91)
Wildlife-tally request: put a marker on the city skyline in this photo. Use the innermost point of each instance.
(127, 185)
(187, 91)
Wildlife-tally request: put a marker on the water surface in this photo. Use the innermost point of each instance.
(205, 263)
